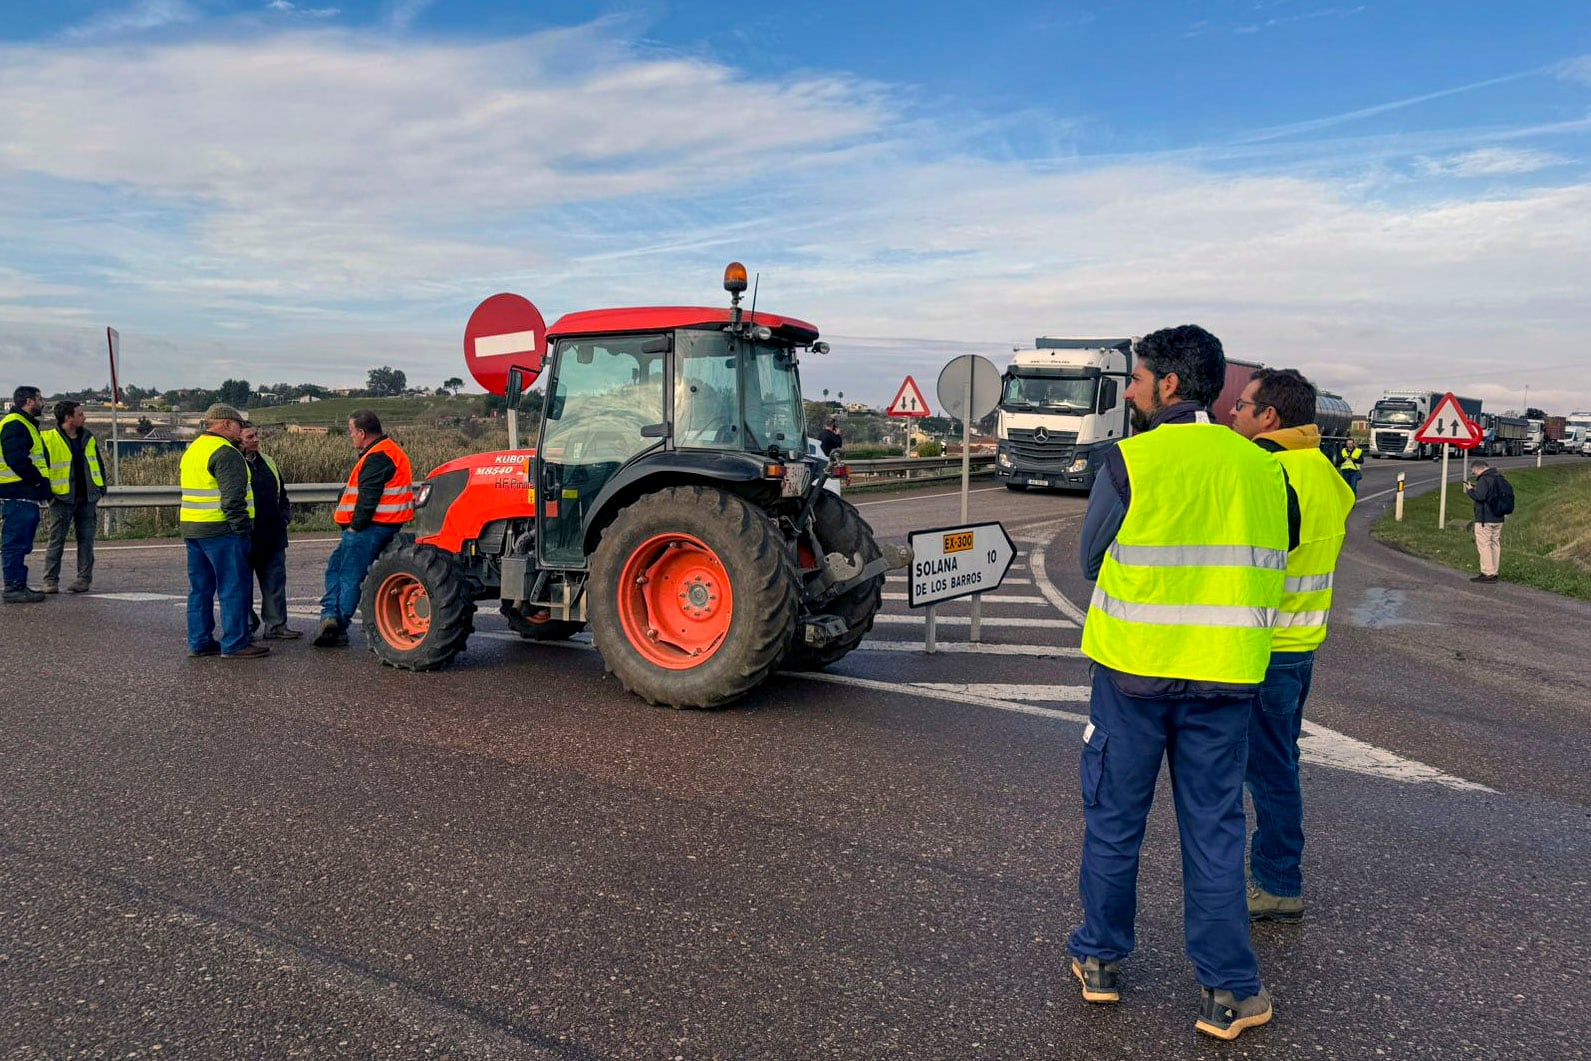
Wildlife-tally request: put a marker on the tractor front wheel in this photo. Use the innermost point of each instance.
(694, 597)
(416, 608)
(841, 529)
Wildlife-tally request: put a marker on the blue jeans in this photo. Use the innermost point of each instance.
(219, 567)
(16, 539)
(1352, 479)
(345, 571)
(1277, 851)
(270, 567)
(1205, 740)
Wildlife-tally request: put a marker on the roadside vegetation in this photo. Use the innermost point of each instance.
(1546, 542)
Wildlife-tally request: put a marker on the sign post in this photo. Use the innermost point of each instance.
(113, 339)
(969, 387)
(505, 331)
(954, 562)
(1447, 426)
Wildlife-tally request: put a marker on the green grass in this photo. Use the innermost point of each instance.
(1546, 542)
(335, 411)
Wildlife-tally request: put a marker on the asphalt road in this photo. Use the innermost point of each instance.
(313, 856)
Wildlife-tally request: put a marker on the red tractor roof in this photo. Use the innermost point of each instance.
(667, 318)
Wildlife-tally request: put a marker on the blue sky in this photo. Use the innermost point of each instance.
(1381, 194)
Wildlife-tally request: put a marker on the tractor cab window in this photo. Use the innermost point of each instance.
(731, 393)
(606, 391)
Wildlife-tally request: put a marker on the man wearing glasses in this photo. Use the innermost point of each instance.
(1277, 412)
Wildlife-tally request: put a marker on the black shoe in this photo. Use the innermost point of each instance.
(330, 634)
(22, 595)
(1223, 1016)
(1484, 578)
(284, 634)
(81, 585)
(209, 650)
(250, 651)
(1101, 980)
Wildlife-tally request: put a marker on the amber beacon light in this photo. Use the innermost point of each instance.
(734, 278)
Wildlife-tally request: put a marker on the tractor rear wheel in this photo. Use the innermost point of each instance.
(416, 607)
(538, 626)
(841, 529)
(693, 597)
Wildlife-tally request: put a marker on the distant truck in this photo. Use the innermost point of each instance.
(1063, 403)
(1576, 432)
(1552, 429)
(1504, 436)
(1399, 414)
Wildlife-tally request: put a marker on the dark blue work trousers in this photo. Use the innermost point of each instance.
(1277, 850)
(1205, 741)
(219, 567)
(345, 571)
(20, 525)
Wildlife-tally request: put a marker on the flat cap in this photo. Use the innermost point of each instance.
(222, 411)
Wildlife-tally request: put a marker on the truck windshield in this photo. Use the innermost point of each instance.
(1397, 413)
(733, 393)
(1073, 394)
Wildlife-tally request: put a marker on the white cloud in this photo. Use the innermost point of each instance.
(1489, 162)
(292, 10)
(1577, 70)
(309, 204)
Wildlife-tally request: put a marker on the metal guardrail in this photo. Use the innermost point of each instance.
(869, 471)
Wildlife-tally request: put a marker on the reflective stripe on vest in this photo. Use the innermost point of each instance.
(397, 497)
(1324, 502)
(35, 452)
(201, 491)
(1190, 587)
(1350, 458)
(59, 451)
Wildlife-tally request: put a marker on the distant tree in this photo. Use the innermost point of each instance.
(453, 383)
(385, 382)
(1535, 414)
(235, 392)
(145, 425)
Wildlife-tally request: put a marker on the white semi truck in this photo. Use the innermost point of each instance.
(1399, 414)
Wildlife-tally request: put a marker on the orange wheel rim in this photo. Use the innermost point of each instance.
(403, 611)
(675, 601)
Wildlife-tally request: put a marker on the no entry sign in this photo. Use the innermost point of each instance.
(504, 331)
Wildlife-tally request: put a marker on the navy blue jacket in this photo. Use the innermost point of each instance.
(15, 446)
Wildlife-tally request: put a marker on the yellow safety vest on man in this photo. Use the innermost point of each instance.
(35, 453)
(1324, 502)
(59, 451)
(1350, 458)
(1190, 587)
(397, 497)
(201, 490)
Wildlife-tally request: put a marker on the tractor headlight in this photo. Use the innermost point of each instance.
(422, 494)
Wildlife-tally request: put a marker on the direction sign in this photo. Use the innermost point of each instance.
(957, 561)
(909, 400)
(984, 383)
(504, 331)
(1447, 423)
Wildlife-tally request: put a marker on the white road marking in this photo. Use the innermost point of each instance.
(966, 620)
(1001, 691)
(959, 698)
(139, 597)
(1051, 594)
(1035, 651)
(1327, 747)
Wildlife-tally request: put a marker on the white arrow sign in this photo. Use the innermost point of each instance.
(957, 562)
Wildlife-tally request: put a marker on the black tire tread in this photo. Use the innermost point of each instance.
(452, 609)
(842, 529)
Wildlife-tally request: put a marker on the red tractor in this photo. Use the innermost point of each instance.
(670, 503)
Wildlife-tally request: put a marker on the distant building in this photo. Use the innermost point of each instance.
(307, 398)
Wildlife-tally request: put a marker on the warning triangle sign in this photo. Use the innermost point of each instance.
(909, 400)
(1447, 423)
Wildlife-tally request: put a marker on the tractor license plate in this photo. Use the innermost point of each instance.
(796, 478)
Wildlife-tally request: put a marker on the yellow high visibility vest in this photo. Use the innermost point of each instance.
(1324, 501)
(59, 452)
(1350, 459)
(201, 491)
(1190, 587)
(35, 453)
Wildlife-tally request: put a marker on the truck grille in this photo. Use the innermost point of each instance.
(1391, 441)
(1052, 452)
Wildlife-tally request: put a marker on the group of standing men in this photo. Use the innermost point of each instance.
(1213, 551)
(234, 517)
(58, 469)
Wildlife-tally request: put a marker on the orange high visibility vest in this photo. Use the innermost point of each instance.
(397, 499)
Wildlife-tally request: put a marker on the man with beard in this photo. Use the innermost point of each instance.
(1187, 533)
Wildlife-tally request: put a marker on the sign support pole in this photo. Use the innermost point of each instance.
(930, 644)
(1441, 515)
(975, 633)
(513, 428)
(1398, 505)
